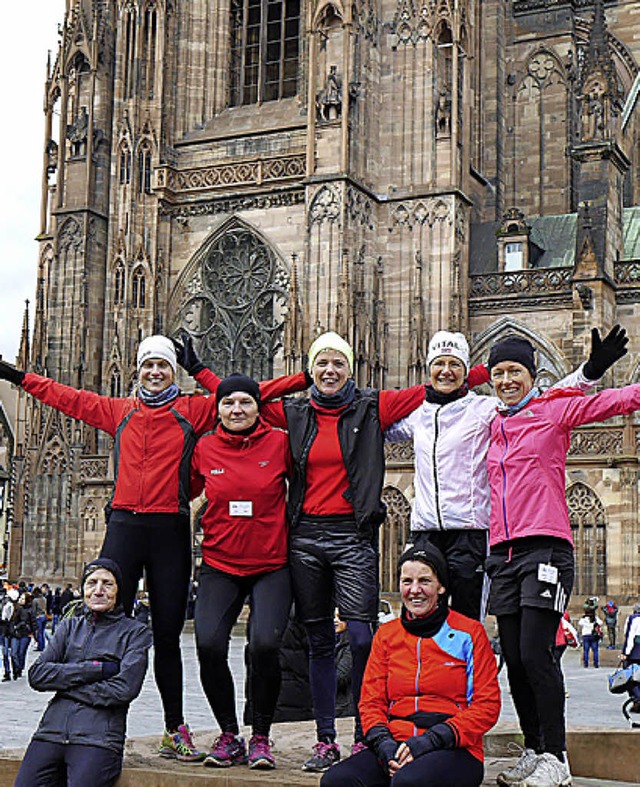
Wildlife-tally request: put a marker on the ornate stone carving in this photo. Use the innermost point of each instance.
(94, 468)
(325, 206)
(366, 21)
(54, 460)
(235, 304)
(534, 281)
(599, 442)
(234, 204)
(359, 207)
(399, 453)
(414, 22)
(420, 212)
(627, 272)
(222, 176)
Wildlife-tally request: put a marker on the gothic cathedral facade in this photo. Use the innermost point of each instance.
(259, 171)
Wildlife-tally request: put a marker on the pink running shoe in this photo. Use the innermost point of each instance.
(357, 747)
(227, 750)
(260, 756)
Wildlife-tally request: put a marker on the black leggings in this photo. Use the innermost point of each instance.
(159, 544)
(218, 605)
(446, 768)
(535, 677)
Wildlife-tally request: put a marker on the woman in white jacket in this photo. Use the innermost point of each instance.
(450, 432)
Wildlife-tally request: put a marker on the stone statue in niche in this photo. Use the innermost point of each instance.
(593, 113)
(77, 133)
(329, 100)
(443, 115)
(52, 156)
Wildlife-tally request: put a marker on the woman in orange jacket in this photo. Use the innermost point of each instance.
(430, 690)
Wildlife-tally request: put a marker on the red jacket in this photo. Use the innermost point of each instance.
(453, 672)
(251, 470)
(153, 445)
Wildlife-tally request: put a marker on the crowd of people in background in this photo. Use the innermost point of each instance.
(293, 491)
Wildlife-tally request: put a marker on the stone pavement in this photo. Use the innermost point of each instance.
(589, 706)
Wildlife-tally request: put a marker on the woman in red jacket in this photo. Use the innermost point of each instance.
(154, 431)
(430, 690)
(243, 466)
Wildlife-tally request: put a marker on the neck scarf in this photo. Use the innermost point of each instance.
(507, 410)
(426, 627)
(160, 398)
(435, 397)
(344, 396)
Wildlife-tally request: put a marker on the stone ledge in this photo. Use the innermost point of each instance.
(590, 754)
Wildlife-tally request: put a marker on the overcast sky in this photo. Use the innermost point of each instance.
(30, 30)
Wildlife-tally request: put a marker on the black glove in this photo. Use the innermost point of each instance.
(10, 373)
(186, 355)
(440, 736)
(382, 744)
(605, 352)
(110, 669)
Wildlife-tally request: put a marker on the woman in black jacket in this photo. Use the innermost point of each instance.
(96, 664)
(23, 627)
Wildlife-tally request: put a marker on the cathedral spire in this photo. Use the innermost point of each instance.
(22, 359)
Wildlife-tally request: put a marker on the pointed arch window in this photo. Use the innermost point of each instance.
(149, 42)
(129, 51)
(115, 383)
(395, 533)
(589, 530)
(138, 289)
(144, 168)
(265, 41)
(125, 165)
(118, 284)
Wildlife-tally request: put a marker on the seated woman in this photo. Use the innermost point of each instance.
(96, 664)
(243, 466)
(429, 693)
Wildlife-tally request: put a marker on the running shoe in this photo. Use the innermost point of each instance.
(260, 756)
(324, 756)
(357, 747)
(516, 773)
(180, 746)
(549, 772)
(227, 750)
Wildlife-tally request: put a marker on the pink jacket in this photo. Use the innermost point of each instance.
(527, 458)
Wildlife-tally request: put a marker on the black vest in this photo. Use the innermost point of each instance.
(362, 446)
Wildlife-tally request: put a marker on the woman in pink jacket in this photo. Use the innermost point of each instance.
(531, 562)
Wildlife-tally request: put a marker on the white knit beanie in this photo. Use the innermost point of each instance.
(157, 347)
(447, 343)
(330, 341)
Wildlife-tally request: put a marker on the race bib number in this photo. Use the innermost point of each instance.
(547, 573)
(240, 508)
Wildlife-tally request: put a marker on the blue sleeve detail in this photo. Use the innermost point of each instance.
(459, 645)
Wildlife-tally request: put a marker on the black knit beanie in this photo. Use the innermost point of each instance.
(429, 555)
(238, 382)
(513, 348)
